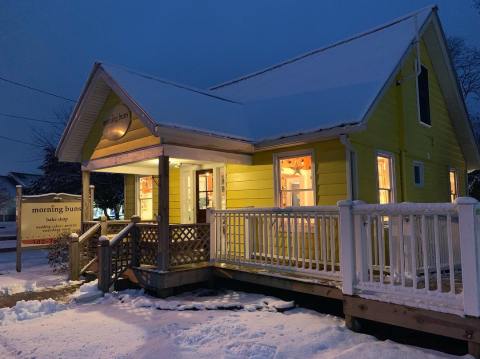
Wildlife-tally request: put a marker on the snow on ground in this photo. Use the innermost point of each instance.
(201, 324)
(35, 275)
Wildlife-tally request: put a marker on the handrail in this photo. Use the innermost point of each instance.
(90, 232)
(405, 208)
(121, 235)
(328, 209)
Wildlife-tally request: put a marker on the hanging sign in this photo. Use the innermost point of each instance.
(116, 124)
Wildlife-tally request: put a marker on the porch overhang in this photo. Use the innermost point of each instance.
(136, 159)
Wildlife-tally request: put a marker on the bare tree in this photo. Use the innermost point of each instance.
(466, 60)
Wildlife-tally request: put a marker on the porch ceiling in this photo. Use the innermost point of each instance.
(150, 167)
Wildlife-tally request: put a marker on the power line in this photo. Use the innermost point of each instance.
(18, 141)
(28, 118)
(36, 89)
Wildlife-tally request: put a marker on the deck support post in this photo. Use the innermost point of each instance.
(347, 246)
(163, 255)
(104, 264)
(474, 349)
(135, 242)
(87, 198)
(470, 254)
(73, 257)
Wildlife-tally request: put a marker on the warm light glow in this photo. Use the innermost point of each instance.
(146, 197)
(453, 185)
(384, 171)
(296, 181)
(205, 190)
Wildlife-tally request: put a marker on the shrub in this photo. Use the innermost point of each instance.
(58, 253)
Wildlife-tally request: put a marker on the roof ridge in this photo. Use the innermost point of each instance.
(324, 48)
(170, 83)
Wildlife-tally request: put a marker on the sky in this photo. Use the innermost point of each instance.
(52, 45)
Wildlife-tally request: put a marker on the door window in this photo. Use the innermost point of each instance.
(146, 197)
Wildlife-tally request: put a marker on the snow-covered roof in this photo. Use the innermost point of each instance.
(328, 87)
(325, 92)
(176, 105)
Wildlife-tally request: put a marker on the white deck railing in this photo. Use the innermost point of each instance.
(418, 254)
(299, 239)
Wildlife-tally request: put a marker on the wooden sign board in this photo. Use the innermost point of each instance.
(42, 218)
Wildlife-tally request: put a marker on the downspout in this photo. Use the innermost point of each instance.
(349, 166)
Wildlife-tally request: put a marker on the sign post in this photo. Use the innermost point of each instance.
(42, 218)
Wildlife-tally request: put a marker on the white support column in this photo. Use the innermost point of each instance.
(86, 201)
(347, 246)
(470, 254)
(213, 233)
(360, 245)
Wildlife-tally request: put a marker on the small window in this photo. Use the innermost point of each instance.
(453, 179)
(423, 97)
(385, 178)
(418, 174)
(296, 183)
(146, 197)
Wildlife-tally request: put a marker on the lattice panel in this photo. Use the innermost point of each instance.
(148, 243)
(189, 243)
(122, 256)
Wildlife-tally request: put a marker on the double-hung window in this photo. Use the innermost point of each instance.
(385, 178)
(295, 179)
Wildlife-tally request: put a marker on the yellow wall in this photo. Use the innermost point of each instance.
(137, 136)
(174, 195)
(253, 186)
(394, 127)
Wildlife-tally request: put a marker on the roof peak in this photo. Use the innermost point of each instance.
(429, 8)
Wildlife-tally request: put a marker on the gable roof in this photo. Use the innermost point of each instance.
(325, 92)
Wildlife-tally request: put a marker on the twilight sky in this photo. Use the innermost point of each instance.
(52, 44)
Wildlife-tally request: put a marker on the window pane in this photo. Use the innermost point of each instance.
(384, 196)
(296, 181)
(424, 96)
(453, 185)
(146, 209)
(384, 175)
(146, 197)
(146, 187)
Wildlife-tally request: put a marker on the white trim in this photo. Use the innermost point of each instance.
(393, 178)
(276, 171)
(421, 165)
(198, 154)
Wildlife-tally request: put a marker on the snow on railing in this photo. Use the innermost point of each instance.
(297, 238)
(419, 254)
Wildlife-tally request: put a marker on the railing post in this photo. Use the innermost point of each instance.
(213, 233)
(135, 242)
(104, 226)
(104, 264)
(73, 257)
(360, 244)
(347, 247)
(470, 254)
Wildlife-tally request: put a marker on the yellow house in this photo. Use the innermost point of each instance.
(377, 117)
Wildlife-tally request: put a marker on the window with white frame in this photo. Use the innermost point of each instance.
(453, 181)
(385, 178)
(145, 197)
(295, 180)
(418, 173)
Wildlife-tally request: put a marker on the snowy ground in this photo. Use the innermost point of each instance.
(194, 325)
(35, 274)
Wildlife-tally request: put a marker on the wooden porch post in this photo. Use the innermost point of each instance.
(163, 257)
(86, 201)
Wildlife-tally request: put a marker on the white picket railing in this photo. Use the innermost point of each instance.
(300, 239)
(410, 251)
(418, 254)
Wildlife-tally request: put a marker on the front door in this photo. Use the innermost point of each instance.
(204, 193)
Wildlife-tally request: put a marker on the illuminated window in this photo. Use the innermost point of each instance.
(453, 179)
(385, 178)
(296, 181)
(146, 197)
(205, 189)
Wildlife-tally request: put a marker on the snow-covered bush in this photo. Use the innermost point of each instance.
(58, 253)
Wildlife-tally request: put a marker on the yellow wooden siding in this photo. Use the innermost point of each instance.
(129, 195)
(174, 195)
(394, 127)
(253, 186)
(137, 136)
